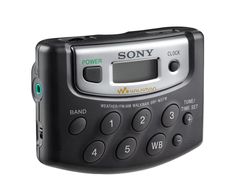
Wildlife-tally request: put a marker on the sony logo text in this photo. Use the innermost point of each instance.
(135, 54)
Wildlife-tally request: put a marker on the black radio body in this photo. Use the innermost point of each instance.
(117, 103)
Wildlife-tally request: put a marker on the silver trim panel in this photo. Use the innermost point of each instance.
(164, 50)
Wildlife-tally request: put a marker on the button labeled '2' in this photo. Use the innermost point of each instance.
(141, 120)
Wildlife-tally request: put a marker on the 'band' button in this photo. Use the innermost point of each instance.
(93, 74)
(77, 126)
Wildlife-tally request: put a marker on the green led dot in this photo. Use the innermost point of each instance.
(38, 89)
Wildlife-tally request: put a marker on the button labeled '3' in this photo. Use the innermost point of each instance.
(170, 115)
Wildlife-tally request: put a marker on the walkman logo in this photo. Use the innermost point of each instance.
(125, 90)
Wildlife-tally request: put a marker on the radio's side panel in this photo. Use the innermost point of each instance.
(199, 62)
(50, 60)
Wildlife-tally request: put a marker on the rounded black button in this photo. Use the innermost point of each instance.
(77, 126)
(188, 119)
(156, 144)
(174, 66)
(126, 148)
(170, 115)
(94, 151)
(177, 140)
(141, 119)
(93, 74)
(110, 123)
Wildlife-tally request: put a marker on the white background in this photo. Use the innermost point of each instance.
(211, 168)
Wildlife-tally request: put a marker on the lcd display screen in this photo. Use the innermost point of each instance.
(135, 71)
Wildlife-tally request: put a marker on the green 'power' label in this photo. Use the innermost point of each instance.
(91, 61)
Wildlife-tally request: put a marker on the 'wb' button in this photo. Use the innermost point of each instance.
(156, 144)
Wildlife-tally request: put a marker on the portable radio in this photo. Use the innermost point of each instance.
(117, 103)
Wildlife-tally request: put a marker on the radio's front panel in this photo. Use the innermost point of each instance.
(119, 106)
(140, 67)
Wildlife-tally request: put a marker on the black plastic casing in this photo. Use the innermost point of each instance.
(54, 69)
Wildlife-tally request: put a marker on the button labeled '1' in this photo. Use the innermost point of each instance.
(110, 123)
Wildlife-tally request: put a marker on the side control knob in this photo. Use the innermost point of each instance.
(37, 89)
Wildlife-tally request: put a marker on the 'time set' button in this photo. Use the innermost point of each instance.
(188, 118)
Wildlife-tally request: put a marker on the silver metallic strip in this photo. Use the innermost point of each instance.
(163, 51)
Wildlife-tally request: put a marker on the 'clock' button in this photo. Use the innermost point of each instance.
(126, 148)
(156, 144)
(174, 66)
(170, 115)
(94, 151)
(110, 123)
(77, 126)
(141, 119)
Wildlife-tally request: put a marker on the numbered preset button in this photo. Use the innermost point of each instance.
(170, 115)
(110, 123)
(94, 151)
(141, 119)
(156, 144)
(126, 148)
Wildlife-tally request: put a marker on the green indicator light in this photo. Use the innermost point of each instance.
(38, 88)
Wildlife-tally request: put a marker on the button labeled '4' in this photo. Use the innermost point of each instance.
(94, 151)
